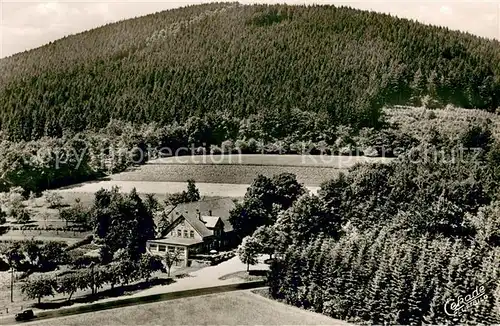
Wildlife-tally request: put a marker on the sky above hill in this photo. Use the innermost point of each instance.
(27, 24)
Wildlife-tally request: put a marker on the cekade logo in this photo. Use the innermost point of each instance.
(454, 306)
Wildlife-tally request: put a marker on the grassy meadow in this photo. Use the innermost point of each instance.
(233, 308)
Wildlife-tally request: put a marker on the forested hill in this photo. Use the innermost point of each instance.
(342, 63)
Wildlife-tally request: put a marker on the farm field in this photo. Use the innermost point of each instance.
(224, 173)
(217, 175)
(332, 161)
(233, 308)
(311, 170)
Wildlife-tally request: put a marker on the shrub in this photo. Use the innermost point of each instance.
(4, 266)
(88, 239)
(344, 136)
(261, 147)
(477, 137)
(429, 102)
(274, 148)
(84, 261)
(52, 198)
(430, 115)
(4, 229)
(310, 147)
(241, 146)
(3, 216)
(200, 150)
(365, 137)
(252, 146)
(297, 147)
(347, 150)
(227, 146)
(323, 148)
(21, 215)
(370, 152)
(214, 149)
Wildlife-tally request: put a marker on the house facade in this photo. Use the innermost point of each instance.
(191, 230)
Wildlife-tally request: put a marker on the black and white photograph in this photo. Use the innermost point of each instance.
(292, 162)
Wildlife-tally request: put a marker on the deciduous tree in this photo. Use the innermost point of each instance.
(38, 288)
(53, 198)
(170, 258)
(248, 251)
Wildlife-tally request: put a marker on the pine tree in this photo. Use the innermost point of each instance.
(418, 87)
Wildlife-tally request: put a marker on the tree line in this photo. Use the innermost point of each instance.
(121, 272)
(54, 162)
(51, 162)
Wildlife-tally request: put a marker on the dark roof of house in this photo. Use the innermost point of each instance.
(218, 207)
(177, 241)
(198, 225)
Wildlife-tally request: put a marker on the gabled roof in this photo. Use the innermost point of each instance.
(198, 225)
(218, 207)
(228, 227)
(210, 221)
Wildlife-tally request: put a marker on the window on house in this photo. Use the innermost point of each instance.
(179, 233)
(171, 249)
(185, 233)
(191, 234)
(153, 246)
(161, 248)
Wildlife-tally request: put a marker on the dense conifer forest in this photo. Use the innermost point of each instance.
(404, 243)
(394, 244)
(340, 63)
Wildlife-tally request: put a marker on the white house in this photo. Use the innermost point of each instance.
(191, 231)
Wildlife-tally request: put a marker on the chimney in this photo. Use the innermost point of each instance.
(210, 212)
(199, 215)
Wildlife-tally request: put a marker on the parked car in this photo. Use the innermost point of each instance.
(25, 315)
